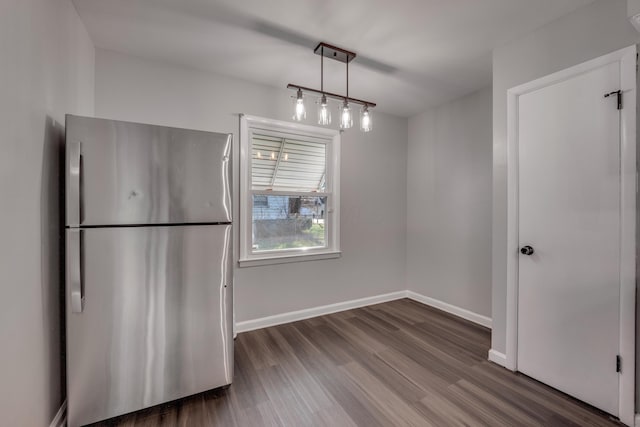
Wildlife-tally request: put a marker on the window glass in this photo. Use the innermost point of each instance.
(289, 222)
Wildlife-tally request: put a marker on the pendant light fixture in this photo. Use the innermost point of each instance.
(324, 110)
(300, 111)
(366, 124)
(346, 120)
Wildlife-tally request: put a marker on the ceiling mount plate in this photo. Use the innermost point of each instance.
(334, 52)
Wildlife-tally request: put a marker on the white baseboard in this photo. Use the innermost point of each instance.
(498, 358)
(293, 316)
(452, 309)
(60, 420)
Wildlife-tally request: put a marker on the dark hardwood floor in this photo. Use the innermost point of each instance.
(394, 364)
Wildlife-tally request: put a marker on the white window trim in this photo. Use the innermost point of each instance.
(249, 259)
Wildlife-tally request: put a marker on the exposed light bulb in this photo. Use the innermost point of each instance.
(324, 113)
(259, 155)
(346, 120)
(300, 110)
(366, 123)
(286, 156)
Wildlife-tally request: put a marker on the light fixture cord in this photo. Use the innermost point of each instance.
(347, 98)
(322, 70)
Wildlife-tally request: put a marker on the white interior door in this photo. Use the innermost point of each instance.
(569, 213)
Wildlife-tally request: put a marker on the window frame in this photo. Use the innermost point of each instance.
(332, 139)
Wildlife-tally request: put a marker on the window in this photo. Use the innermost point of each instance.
(260, 201)
(289, 192)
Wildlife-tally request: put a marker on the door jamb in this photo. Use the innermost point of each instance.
(627, 59)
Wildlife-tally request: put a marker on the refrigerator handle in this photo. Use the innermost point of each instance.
(75, 240)
(75, 184)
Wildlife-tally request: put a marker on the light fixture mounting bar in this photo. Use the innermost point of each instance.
(331, 95)
(334, 52)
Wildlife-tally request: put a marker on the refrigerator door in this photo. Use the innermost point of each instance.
(156, 323)
(121, 173)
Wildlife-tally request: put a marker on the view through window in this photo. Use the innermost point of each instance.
(290, 196)
(291, 165)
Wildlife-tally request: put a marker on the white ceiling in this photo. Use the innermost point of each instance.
(412, 54)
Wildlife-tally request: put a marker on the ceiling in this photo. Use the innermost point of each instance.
(412, 54)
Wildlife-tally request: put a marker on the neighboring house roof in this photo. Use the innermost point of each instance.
(287, 163)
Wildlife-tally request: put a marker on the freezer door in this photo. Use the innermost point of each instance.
(156, 323)
(121, 173)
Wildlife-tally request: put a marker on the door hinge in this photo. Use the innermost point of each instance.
(618, 363)
(619, 95)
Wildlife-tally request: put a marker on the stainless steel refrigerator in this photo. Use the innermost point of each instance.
(148, 266)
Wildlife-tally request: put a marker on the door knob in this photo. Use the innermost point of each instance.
(527, 250)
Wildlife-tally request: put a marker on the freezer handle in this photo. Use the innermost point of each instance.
(75, 248)
(74, 207)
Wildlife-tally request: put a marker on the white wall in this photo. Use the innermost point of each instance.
(46, 70)
(373, 179)
(587, 33)
(449, 203)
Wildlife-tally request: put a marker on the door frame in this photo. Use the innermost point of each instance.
(627, 59)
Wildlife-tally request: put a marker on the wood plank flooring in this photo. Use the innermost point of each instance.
(394, 364)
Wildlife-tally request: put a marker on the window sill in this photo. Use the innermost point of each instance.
(255, 262)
